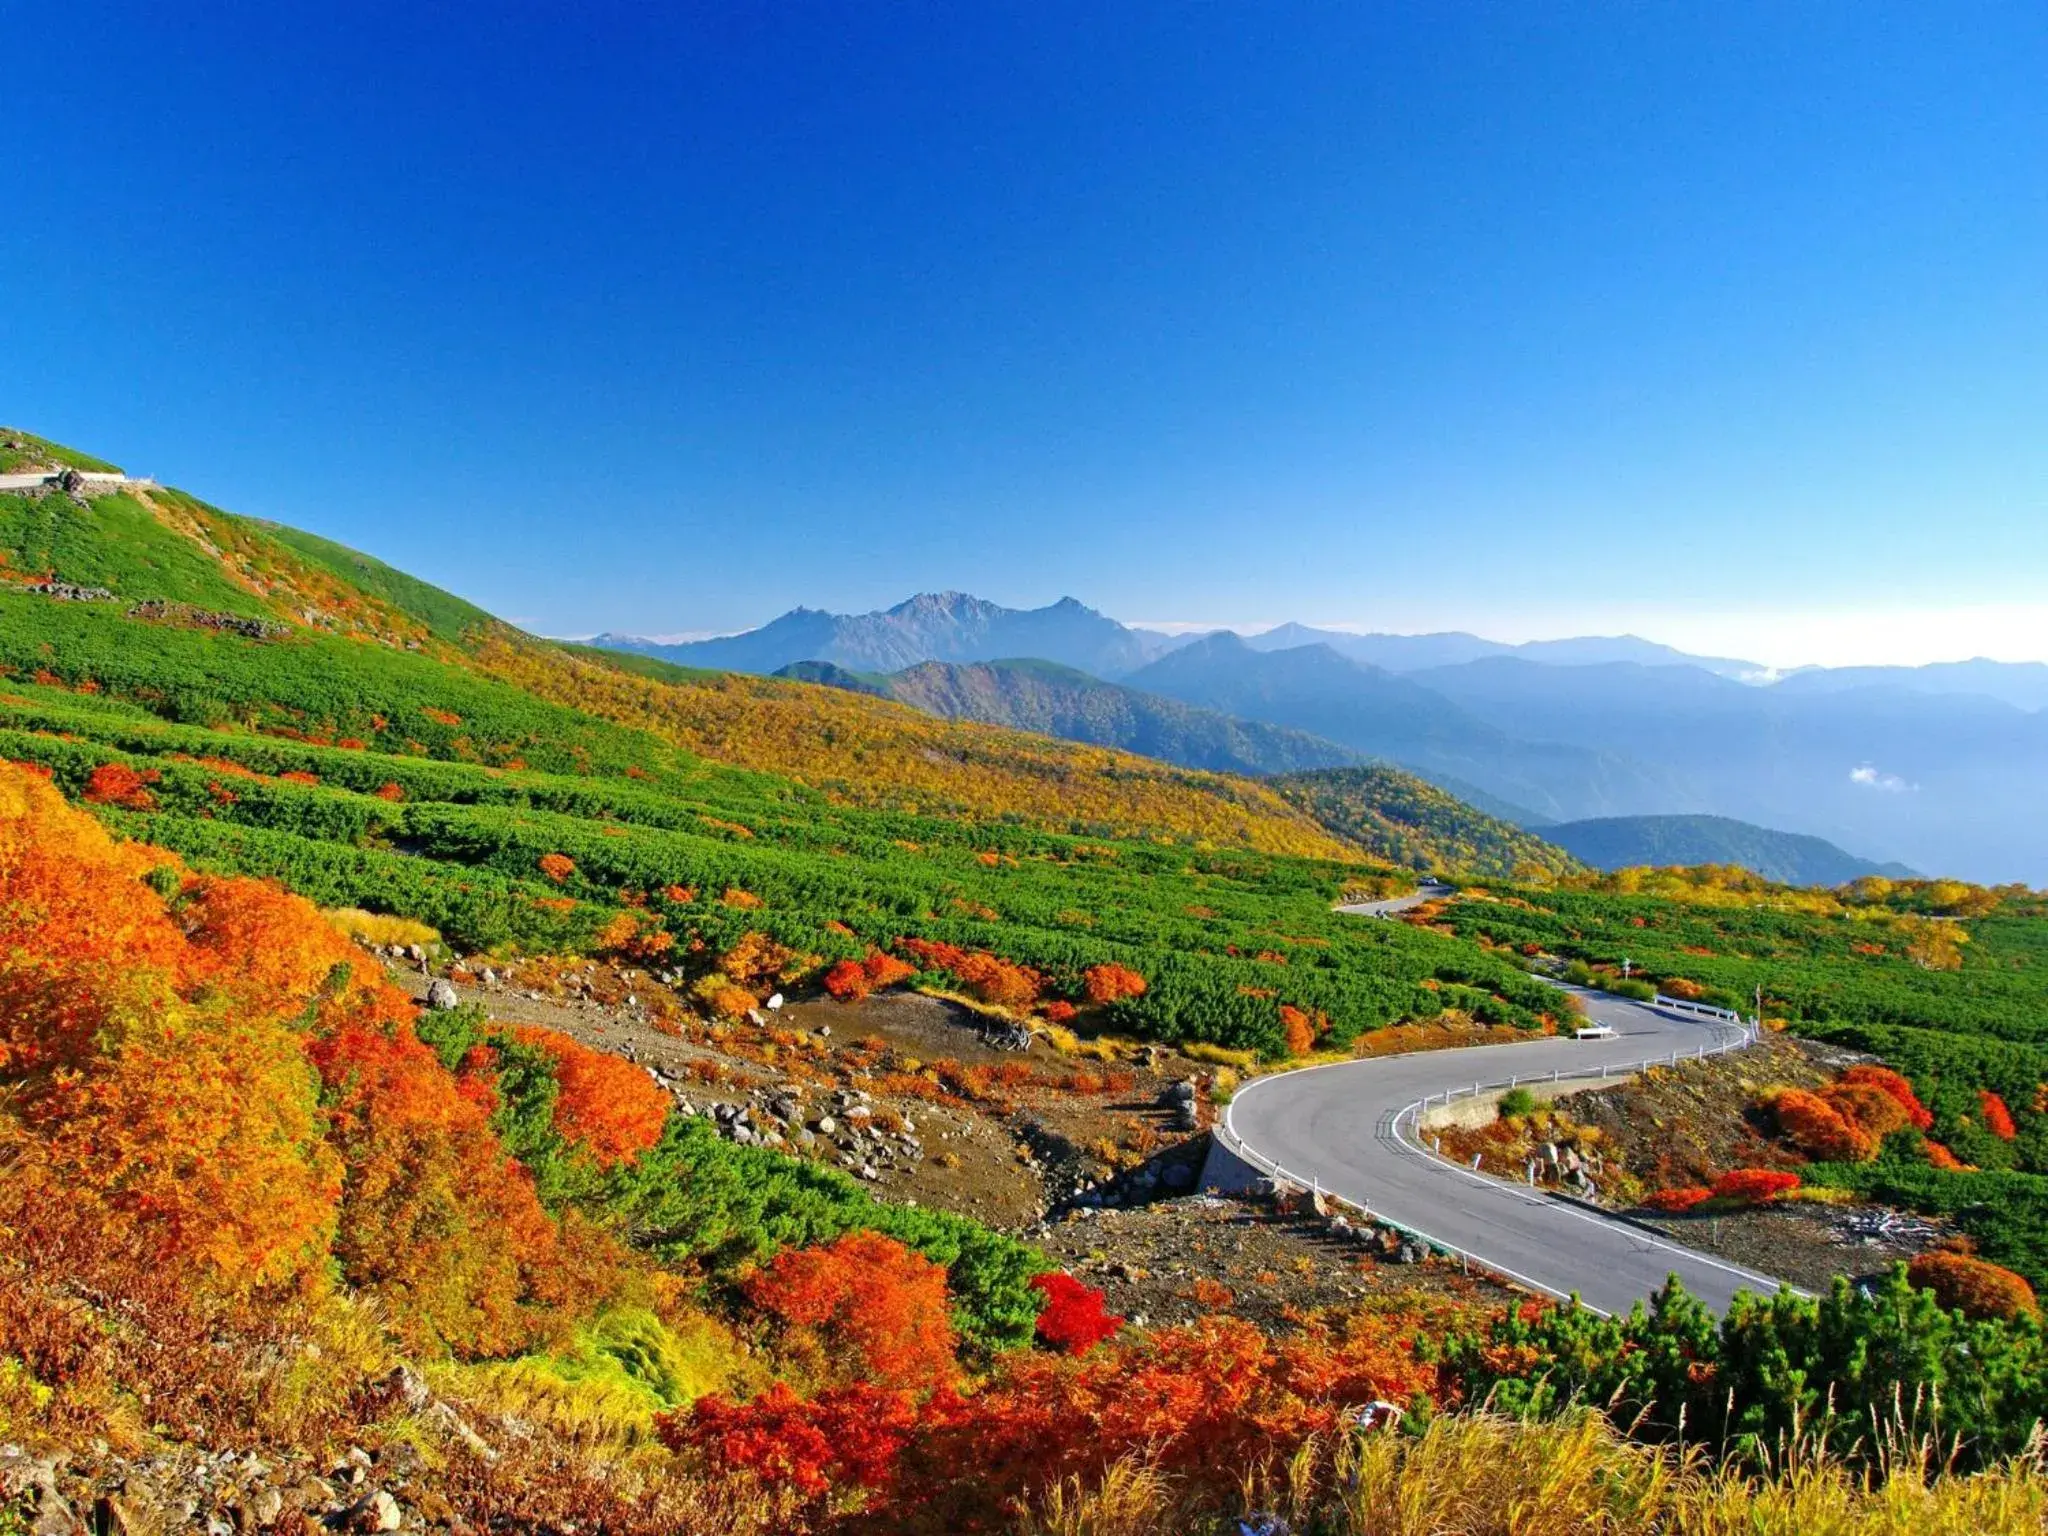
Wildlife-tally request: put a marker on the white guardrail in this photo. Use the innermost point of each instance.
(1389, 1128)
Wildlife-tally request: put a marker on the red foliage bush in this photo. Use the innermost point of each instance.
(604, 1103)
(1754, 1185)
(1972, 1286)
(1109, 983)
(1885, 1080)
(1073, 1320)
(849, 1437)
(1817, 1128)
(1060, 1011)
(848, 981)
(885, 970)
(1997, 1118)
(118, 784)
(1678, 1200)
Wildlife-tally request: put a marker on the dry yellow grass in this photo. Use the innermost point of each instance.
(1478, 1474)
(379, 928)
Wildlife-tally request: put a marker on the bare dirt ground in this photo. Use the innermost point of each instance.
(1076, 1155)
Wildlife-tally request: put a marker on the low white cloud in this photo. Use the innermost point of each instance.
(1874, 778)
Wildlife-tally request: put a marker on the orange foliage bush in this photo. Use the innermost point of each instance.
(848, 981)
(1972, 1286)
(437, 1218)
(875, 1310)
(182, 1118)
(1298, 1030)
(1939, 1156)
(604, 1103)
(1887, 1081)
(1997, 1118)
(1817, 1129)
(885, 970)
(557, 866)
(1755, 1185)
(1677, 1201)
(1870, 1109)
(1111, 983)
(992, 979)
(1060, 1011)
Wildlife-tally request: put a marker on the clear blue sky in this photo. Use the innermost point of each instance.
(1521, 317)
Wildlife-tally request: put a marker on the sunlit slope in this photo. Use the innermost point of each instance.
(179, 570)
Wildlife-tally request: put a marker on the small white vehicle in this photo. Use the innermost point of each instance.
(1594, 1032)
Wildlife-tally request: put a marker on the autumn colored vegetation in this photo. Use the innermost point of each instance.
(242, 1177)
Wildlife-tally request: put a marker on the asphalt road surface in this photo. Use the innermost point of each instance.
(1335, 1125)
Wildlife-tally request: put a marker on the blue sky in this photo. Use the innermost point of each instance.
(1725, 323)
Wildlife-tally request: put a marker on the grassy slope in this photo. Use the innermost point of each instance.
(168, 545)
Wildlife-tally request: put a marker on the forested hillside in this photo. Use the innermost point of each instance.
(1789, 858)
(1409, 822)
(1053, 700)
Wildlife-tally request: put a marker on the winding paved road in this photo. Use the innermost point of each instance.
(1336, 1125)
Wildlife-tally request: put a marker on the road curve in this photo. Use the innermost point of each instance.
(1336, 1125)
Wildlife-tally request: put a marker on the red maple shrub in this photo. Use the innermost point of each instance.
(1754, 1186)
(1972, 1286)
(1073, 1320)
(845, 1438)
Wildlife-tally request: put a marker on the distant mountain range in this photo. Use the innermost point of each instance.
(1938, 767)
(1412, 653)
(1790, 858)
(933, 626)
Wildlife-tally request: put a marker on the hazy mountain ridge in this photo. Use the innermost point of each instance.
(1062, 701)
(1789, 858)
(1393, 718)
(932, 626)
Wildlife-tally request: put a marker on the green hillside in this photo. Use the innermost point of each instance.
(1408, 821)
(1789, 858)
(1055, 700)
